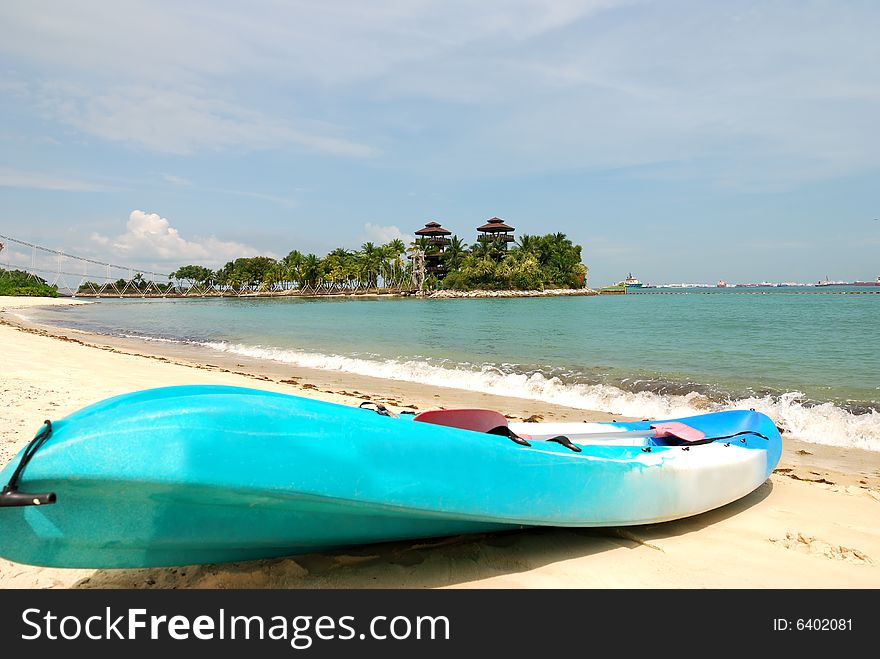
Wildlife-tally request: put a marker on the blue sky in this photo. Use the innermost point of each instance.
(679, 140)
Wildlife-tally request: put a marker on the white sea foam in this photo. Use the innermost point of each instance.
(152, 339)
(820, 424)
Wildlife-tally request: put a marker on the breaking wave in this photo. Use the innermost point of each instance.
(820, 423)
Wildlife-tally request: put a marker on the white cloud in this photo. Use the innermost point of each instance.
(177, 180)
(342, 41)
(183, 122)
(186, 183)
(275, 199)
(13, 259)
(98, 239)
(12, 178)
(162, 92)
(383, 234)
(742, 91)
(151, 237)
(14, 88)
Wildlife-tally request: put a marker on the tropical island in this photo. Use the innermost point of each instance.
(436, 260)
(436, 263)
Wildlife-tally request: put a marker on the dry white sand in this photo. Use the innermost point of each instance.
(815, 523)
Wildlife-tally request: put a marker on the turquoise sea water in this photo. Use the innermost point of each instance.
(808, 358)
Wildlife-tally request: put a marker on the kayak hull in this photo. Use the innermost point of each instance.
(164, 527)
(204, 474)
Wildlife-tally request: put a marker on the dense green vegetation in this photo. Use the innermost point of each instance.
(532, 263)
(341, 268)
(16, 282)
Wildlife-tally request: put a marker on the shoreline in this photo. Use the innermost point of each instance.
(550, 292)
(810, 525)
(807, 460)
(399, 394)
(437, 294)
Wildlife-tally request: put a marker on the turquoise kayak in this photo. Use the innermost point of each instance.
(205, 474)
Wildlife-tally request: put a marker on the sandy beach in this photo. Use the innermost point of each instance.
(814, 524)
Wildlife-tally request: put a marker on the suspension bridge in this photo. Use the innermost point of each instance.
(79, 276)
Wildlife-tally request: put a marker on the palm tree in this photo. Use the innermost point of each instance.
(422, 243)
(393, 265)
(340, 267)
(481, 249)
(396, 247)
(274, 276)
(312, 273)
(529, 244)
(292, 264)
(369, 262)
(560, 260)
(454, 253)
(494, 248)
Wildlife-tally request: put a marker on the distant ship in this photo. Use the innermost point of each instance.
(631, 282)
(721, 284)
(827, 282)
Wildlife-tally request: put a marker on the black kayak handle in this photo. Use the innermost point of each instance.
(14, 498)
(10, 496)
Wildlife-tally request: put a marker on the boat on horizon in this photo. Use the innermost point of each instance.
(631, 282)
(828, 282)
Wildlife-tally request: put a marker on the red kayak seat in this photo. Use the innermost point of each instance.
(474, 419)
